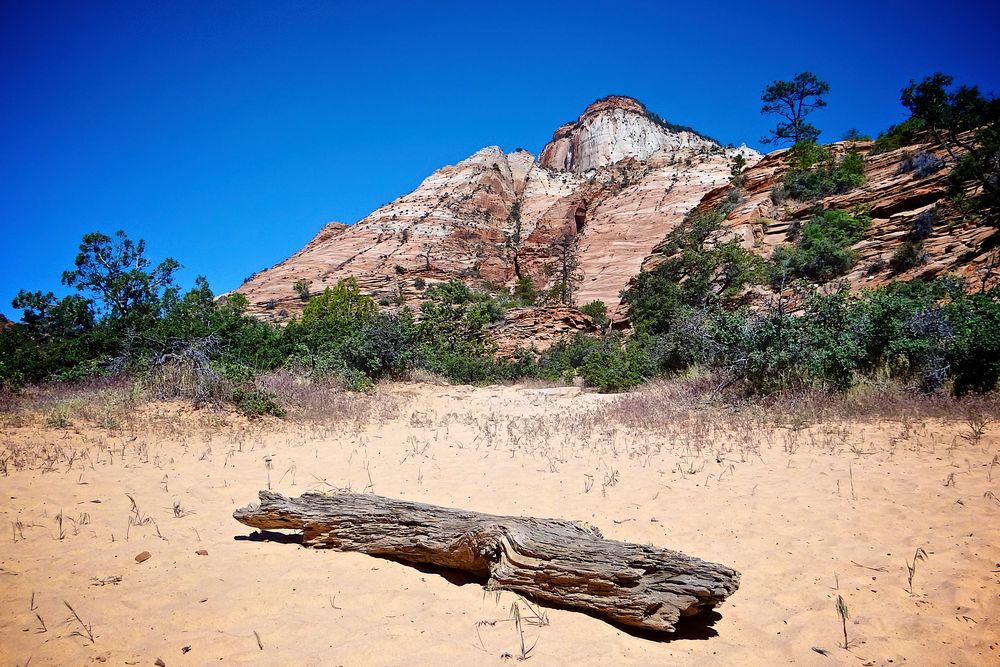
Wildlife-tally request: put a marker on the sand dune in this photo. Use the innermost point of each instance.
(806, 509)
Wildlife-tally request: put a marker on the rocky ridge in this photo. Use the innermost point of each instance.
(606, 190)
(610, 186)
(894, 195)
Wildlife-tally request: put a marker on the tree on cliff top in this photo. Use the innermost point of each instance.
(962, 117)
(794, 100)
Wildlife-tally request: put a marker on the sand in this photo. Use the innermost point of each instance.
(807, 511)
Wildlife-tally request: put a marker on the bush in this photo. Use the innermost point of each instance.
(854, 134)
(775, 351)
(766, 353)
(301, 287)
(923, 164)
(815, 173)
(344, 304)
(923, 225)
(353, 379)
(525, 291)
(883, 323)
(897, 136)
(908, 255)
(597, 311)
(561, 361)
(257, 403)
(822, 251)
(609, 364)
(695, 274)
(383, 347)
(974, 353)
(700, 338)
(614, 367)
(459, 367)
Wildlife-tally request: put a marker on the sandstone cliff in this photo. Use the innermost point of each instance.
(612, 129)
(607, 188)
(894, 194)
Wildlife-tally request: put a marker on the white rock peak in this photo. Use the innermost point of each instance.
(612, 129)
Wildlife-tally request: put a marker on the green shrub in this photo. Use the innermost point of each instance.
(699, 338)
(561, 361)
(898, 136)
(885, 322)
(613, 368)
(822, 251)
(854, 134)
(257, 403)
(815, 173)
(776, 351)
(597, 311)
(974, 353)
(831, 350)
(525, 291)
(343, 303)
(301, 288)
(354, 380)
(383, 347)
(459, 367)
(696, 273)
(766, 353)
(908, 255)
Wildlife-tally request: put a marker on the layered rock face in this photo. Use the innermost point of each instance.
(540, 328)
(894, 195)
(604, 193)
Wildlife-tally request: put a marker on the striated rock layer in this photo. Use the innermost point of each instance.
(540, 328)
(893, 195)
(608, 187)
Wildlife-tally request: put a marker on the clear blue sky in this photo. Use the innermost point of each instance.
(227, 133)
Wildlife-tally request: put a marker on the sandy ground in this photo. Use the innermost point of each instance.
(805, 511)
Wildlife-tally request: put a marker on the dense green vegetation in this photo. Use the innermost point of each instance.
(966, 125)
(822, 248)
(813, 172)
(691, 314)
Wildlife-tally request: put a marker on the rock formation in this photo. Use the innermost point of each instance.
(605, 191)
(894, 195)
(594, 209)
(612, 129)
(540, 328)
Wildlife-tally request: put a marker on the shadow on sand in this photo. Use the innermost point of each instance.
(697, 627)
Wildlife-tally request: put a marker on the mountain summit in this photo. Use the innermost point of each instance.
(614, 128)
(610, 185)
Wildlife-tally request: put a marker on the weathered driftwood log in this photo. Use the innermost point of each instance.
(560, 562)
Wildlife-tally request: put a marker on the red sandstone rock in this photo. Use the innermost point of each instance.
(621, 183)
(540, 328)
(893, 197)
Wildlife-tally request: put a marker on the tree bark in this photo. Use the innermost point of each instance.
(560, 562)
